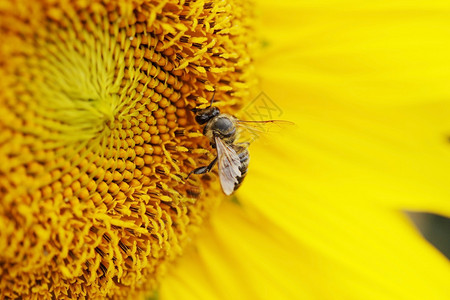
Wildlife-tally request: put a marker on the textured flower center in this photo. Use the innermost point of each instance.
(97, 137)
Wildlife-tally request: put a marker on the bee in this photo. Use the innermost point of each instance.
(233, 157)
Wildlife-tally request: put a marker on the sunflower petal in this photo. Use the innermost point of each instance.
(369, 100)
(327, 253)
(350, 154)
(389, 52)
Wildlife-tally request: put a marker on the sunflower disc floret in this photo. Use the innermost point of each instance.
(97, 138)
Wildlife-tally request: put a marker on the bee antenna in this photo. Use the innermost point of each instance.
(212, 100)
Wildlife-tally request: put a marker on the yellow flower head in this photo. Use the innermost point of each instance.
(97, 136)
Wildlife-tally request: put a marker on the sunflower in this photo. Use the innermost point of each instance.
(97, 138)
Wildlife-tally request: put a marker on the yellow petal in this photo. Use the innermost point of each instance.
(367, 86)
(350, 154)
(330, 253)
(390, 52)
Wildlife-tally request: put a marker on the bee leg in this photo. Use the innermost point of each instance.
(204, 169)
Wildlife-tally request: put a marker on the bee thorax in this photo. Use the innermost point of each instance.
(221, 126)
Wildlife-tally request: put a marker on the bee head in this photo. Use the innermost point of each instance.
(202, 116)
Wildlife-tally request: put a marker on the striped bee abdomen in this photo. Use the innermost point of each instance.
(244, 158)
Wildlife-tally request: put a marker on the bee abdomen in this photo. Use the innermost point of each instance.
(244, 158)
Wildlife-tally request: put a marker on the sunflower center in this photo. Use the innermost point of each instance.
(77, 83)
(98, 136)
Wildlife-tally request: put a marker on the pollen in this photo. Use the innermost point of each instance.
(97, 138)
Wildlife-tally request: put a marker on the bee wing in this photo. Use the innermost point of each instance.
(251, 130)
(264, 126)
(229, 163)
